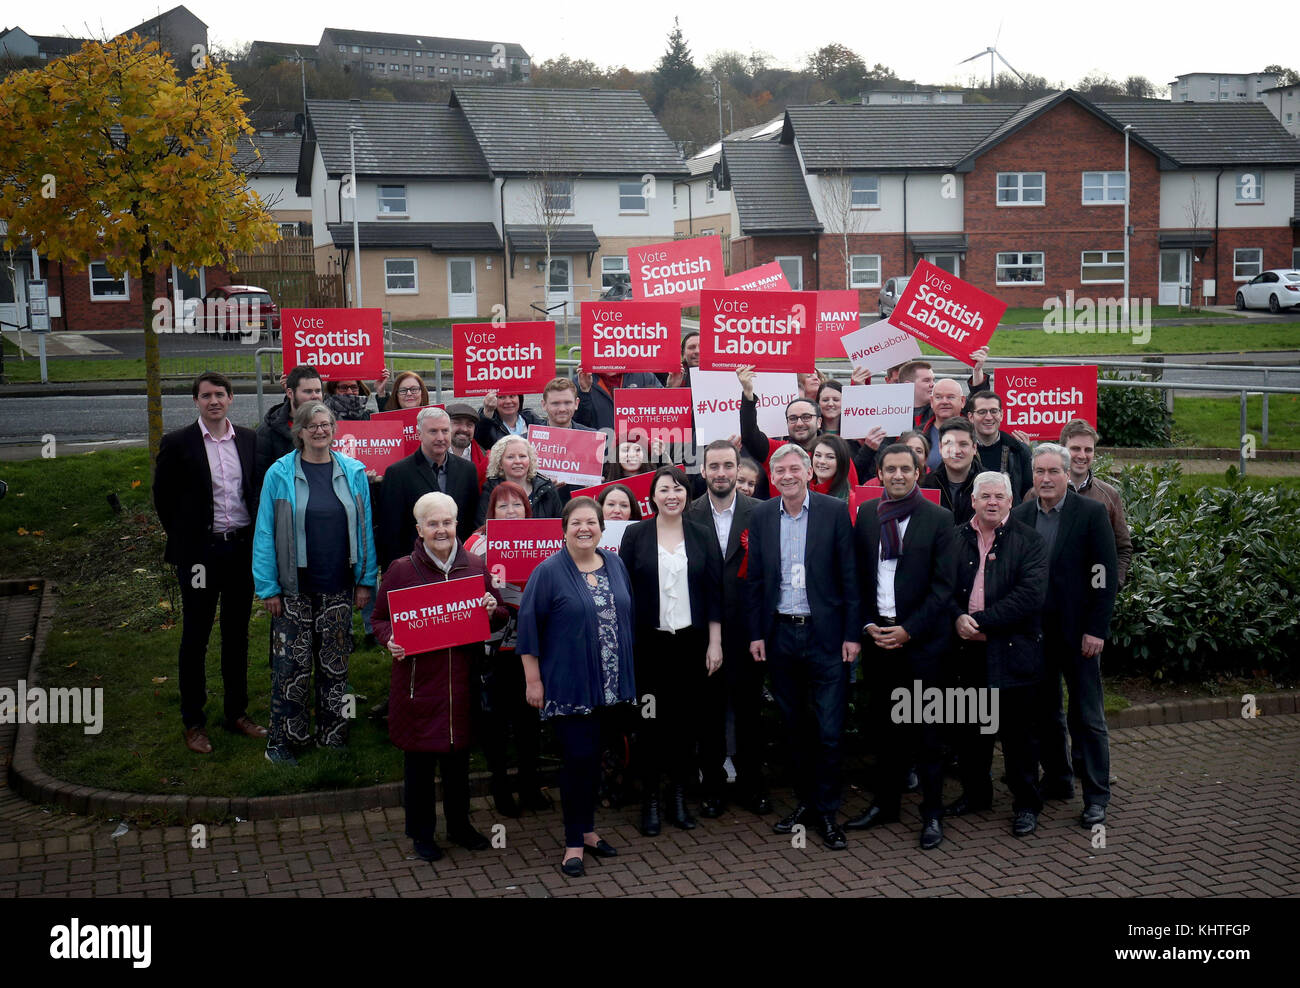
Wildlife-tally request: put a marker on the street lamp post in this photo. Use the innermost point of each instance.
(1127, 228)
(356, 230)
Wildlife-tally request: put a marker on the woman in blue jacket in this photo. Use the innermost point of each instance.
(313, 558)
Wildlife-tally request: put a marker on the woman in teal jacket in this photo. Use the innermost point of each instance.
(313, 558)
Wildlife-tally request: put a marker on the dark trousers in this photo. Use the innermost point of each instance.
(225, 575)
(420, 797)
(670, 667)
(900, 746)
(579, 740)
(1085, 722)
(738, 685)
(810, 685)
(313, 630)
(508, 712)
(1019, 714)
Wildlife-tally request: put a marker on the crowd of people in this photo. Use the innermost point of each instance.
(749, 572)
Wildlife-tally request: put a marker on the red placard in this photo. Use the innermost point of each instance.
(343, 344)
(768, 277)
(950, 314)
(407, 417)
(653, 413)
(439, 615)
(859, 496)
(772, 331)
(631, 336)
(678, 269)
(1040, 400)
(519, 546)
(378, 445)
(571, 456)
(837, 315)
(514, 357)
(638, 484)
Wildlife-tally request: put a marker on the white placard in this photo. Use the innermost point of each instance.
(612, 537)
(869, 406)
(880, 346)
(715, 396)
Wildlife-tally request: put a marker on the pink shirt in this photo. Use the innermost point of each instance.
(977, 587)
(228, 508)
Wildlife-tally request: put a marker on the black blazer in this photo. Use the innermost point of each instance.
(404, 483)
(1077, 602)
(639, 552)
(922, 582)
(182, 489)
(830, 571)
(735, 603)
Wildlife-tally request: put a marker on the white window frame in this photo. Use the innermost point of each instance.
(1109, 259)
(606, 270)
(638, 196)
(1258, 198)
(1110, 182)
(381, 199)
(125, 282)
(1237, 263)
(413, 274)
(854, 269)
(553, 196)
(1002, 266)
(708, 190)
(869, 189)
(1020, 189)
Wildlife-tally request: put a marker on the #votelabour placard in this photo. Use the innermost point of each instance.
(514, 357)
(946, 312)
(772, 331)
(439, 615)
(677, 270)
(875, 406)
(878, 347)
(716, 398)
(631, 336)
(343, 344)
(1040, 400)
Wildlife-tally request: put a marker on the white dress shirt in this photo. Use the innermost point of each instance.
(885, 572)
(674, 594)
(722, 521)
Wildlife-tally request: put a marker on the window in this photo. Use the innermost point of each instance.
(612, 271)
(356, 49)
(105, 286)
(1020, 267)
(1250, 187)
(418, 54)
(1247, 262)
(467, 58)
(631, 197)
(865, 191)
(381, 51)
(393, 66)
(478, 58)
(864, 271)
(378, 51)
(1020, 188)
(1101, 266)
(1103, 187)
(557, 196)
(399, 276)
(708, 190)
(370, 65)
(392, 199)
(442, 54)
(343, 49)
(793, 268)
(442, 69)
(419, 68)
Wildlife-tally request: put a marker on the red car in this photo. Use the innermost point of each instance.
(235, 311)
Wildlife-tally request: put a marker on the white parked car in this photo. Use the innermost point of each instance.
(1275, 290)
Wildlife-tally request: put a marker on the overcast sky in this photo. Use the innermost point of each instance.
(923, 41)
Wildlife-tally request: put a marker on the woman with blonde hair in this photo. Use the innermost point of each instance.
(513, 458)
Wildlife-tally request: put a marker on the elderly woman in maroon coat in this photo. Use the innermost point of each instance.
(429, 707)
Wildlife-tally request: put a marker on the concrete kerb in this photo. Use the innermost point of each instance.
(34, 784)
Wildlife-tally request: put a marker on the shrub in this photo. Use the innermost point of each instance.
(1132, 416)
(1214, 587)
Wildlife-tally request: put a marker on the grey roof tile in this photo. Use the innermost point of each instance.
(438, 237)
(415, 140)
(279, 154)
(530, 238)
(1210, 133)
(768, 188)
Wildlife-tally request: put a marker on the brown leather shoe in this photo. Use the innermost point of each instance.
(247, 727)
(196, 739)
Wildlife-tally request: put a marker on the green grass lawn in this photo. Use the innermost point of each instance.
(1164, 339)
(1216, 422)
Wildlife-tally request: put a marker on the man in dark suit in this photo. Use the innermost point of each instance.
(204, 488)
(1082, 582)
(430, 468)
(803, 609)
(726, 512)
(904, 550)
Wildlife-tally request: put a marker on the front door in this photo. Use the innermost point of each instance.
(13, 293)
(187, 294)
(559, 286)
(793, 269)
(946, 262)
(1175, 278)
(462, 293)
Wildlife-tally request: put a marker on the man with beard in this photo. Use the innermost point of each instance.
(463, 422)
(273, 439)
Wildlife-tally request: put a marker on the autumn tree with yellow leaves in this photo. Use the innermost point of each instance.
(109, 154)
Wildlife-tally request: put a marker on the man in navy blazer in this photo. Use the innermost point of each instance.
(205, 491)
(803, 607)
(1083, 578)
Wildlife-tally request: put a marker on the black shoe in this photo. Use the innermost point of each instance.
(873, 817)
(759, 805)
(504, 802)
(535, 799)
(711, 809)
(1093, 814)
(601, 849)
(912, 784)
(832, 836)
(573, 867)
(650, 822)
(468, 838)
(1025, 823)
(681, 813)
(428, 850)
(787, 824)
(1060, 790)
(931, 834)
(962, 806)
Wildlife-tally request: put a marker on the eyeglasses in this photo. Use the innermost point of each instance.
(408, 391)
(349, 389)
(321, 427)
(800, 418)
(986, 413)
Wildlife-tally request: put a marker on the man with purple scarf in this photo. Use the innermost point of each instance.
(904, 549)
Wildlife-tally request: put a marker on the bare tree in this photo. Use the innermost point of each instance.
(848, 215)
(547, 204)
(1197, 210)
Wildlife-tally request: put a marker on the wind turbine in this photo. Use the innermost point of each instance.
(993, 54)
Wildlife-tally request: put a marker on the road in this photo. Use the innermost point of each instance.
(96, 418)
